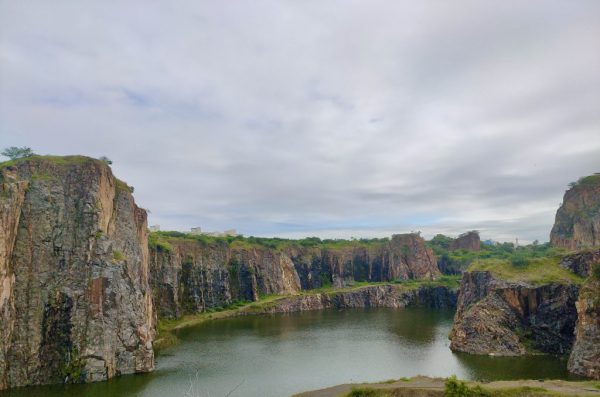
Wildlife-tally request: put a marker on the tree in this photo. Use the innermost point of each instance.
(14, 152)
(106, 160)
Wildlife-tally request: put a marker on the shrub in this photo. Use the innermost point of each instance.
(14, 152)
(368, 392)
(596, 272)
(118, 255)
(519, 260)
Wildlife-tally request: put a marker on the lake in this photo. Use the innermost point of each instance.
(278, 355)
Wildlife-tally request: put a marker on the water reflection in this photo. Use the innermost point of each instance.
(280, 355)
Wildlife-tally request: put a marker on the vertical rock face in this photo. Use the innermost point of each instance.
(503, 318)
(581, 263)
(191, 276)
(577, 223)
(585, 356)
(75, 303)
(467, 241)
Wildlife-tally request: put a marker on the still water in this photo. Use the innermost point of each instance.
(278, 355)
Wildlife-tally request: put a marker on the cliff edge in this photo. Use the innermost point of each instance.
(75, 303)
(577, 223)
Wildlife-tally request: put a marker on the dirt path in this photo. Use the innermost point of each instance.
(422, 386)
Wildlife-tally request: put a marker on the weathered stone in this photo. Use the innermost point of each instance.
(581, 263)
(469, 241)
(577, 223)
(585, 356)
(505, 318)
(392, 296)
(193, 276)
(75, 302)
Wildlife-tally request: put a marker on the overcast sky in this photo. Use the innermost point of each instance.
(329, 118)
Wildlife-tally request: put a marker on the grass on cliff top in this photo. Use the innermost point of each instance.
(161, 239)
(166, 327)
(593, 179)
(537, 271)
(57, 160)
(64, 161)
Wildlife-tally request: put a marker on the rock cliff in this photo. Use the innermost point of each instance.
(585, 357)
(577, 223)
(499, 317)
(469, 241)
(191, 275)
(392, 296)
(75, 303)
(582, 262)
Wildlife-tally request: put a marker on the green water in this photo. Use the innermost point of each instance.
(274, 356)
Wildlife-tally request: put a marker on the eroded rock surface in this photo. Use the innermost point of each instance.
(577, 223)
(585, 356)
(75, 302)
(193, 276)
(506, 318)
(392, 296)
(581, 263)
(469, 241)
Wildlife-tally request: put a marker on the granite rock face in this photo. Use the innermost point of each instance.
(585, 356)
(577, 223)
(392, 296)
(581, 263)
(497, 317)
(75, 303)
(192, 276)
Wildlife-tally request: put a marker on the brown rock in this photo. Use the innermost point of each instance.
(577, 223)
(192, 275)
(75, 303)
(469, 241)
(501, 318)
(585, 356)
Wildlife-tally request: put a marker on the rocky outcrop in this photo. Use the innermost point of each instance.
(581, 263)
(585, 356)
(469, 241)
(190, 275)
(75, 303)
(577, 223)
(506, 318)
(392, 296)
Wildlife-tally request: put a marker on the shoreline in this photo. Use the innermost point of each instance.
(384, 294)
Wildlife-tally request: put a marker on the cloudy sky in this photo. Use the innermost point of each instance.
(328, 118)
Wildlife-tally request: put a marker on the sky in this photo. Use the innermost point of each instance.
(321, 118)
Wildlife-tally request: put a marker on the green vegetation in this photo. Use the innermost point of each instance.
(587, 180)
(369, 392)
(596, 271)
(449, 281)
(159, 242)
(275, 243)
(73, 370)
(459, 260)
(14, 152)
(55, 160)
(542, 270)
(118, 256)
(122, 186)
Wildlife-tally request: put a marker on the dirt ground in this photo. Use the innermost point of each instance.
(423, 386)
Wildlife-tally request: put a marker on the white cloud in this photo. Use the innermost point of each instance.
(315, 118)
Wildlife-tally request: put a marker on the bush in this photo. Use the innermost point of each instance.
(14, 152)
(596, 272)
(519, 260)
(458, 388)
